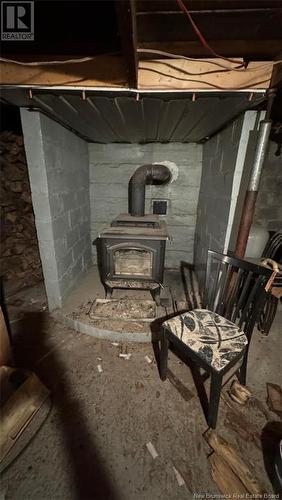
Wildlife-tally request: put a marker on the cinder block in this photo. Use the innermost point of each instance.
(115, 153)
(61, 247)
(183, 207)
(53, 294)
(60, 226)
(174, 258)
(75, 217)
(65, 284)
(84, 229)
(41, 205)
(72, 236)
(69, 200)
(78, 249)
(49, 261)
(106, 210)
(44, 230)
(182, 238)
(64, 263)
(81, 196)
(77, 269)
(59, 168)
(115, 173)
(37, 174)
(105, 191)
(180, 220)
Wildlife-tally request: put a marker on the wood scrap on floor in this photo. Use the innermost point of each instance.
(5, 351)
(238, 423)
(179, 478)
(18, 410)
(226, 464)
(125, 356)
(148, 359)
(226, 480)
(152, 450)
(274, 398)
(239, 393)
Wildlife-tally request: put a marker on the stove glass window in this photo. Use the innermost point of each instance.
(133, 262)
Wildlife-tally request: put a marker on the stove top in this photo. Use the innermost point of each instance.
(146, 227)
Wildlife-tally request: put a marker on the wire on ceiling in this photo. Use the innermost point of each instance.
(201, 36)
(210, 61)
(47, 63)
(213, 85)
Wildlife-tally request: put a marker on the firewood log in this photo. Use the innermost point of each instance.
(226, 451)
(227, 481)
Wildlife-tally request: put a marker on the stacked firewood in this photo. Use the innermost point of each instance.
(19, 258)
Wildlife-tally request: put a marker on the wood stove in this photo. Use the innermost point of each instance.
(131, 251)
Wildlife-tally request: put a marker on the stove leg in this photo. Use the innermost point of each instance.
(108, 292)
(156, 294)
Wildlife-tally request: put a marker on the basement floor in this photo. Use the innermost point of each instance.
(92, 444)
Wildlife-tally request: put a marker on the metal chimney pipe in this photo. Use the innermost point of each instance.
(147, 174)
(252, 191)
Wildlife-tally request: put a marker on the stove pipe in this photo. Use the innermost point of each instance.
(147, 174)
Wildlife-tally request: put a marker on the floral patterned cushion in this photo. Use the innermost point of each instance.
(214, 338)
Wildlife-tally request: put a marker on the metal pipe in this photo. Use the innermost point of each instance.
(252, 191)
(261, 148)
(147, 174)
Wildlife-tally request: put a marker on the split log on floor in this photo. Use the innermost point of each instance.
(18, 410)
(239, 393)
(237, 421)
(226, 451)
(274, 398)
(227, 481)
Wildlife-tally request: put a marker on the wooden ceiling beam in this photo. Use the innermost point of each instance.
(259, 25)
(126, 17)
(170, 5)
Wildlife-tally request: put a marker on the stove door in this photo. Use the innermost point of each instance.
(133, 262)
(132, 259)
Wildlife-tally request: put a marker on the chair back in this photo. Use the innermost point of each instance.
(235, 289)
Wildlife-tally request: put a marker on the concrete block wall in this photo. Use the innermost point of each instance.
(58, 168)
(111, 167)
(268, 211)
(219, 161)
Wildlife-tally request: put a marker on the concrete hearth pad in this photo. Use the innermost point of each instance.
(91, 288)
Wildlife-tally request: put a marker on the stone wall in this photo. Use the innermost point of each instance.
(59, 178)
(111, 167)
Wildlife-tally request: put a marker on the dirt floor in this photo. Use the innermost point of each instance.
(92, 443)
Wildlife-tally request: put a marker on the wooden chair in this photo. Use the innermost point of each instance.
(217, 338)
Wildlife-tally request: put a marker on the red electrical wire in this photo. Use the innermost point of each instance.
(200, 36)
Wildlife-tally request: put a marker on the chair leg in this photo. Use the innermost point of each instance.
(215, 390)
(242, 372)
(163, 356)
